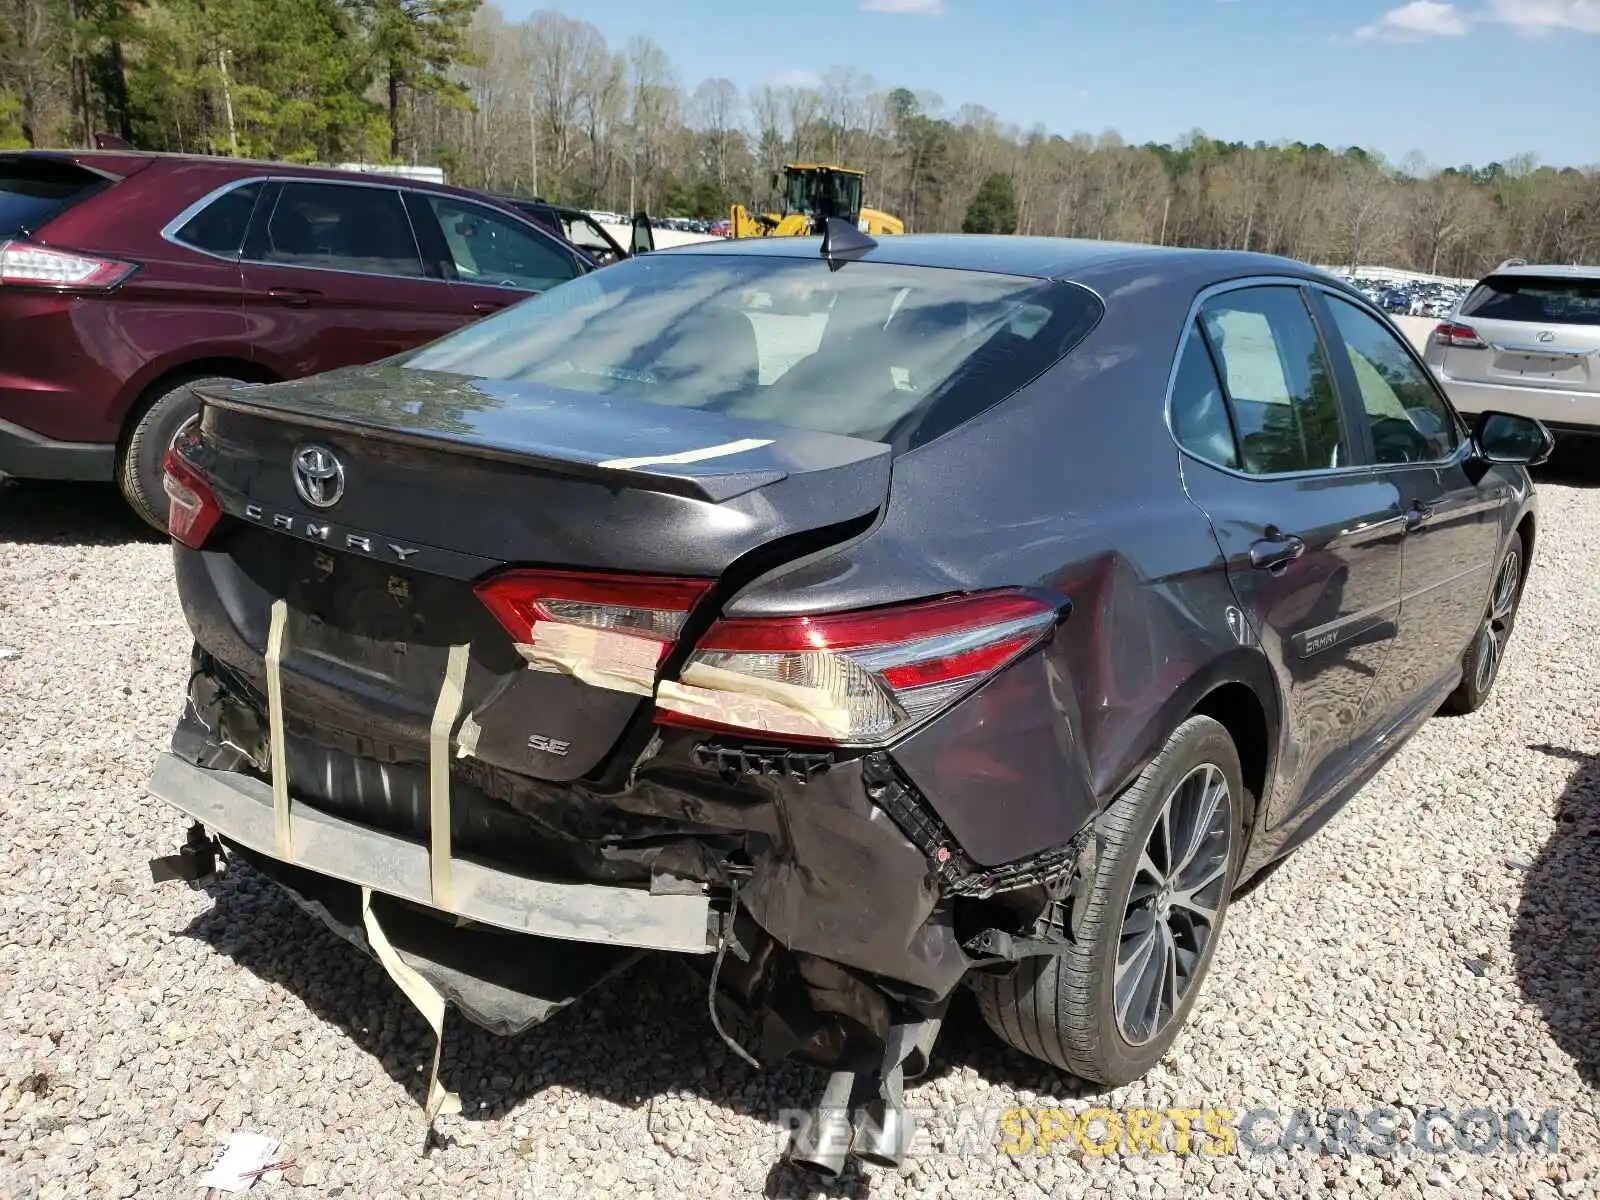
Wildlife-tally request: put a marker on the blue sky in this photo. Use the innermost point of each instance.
(1465, 82)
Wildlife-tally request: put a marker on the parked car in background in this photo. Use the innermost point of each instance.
(126, 277)
(584, 230)
(598, 627)
(1526, 340)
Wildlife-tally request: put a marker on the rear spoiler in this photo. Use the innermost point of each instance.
(704, 460)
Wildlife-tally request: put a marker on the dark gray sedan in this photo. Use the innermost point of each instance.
(859, 621)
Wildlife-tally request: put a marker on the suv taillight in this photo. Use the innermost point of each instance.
(857, 678)
(192, 508)
(27, 265)
(1452, 334)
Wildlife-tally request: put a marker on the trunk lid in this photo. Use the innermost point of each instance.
(431, 483)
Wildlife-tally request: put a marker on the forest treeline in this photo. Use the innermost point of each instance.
(549, 106)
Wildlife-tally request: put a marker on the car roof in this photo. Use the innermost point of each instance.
(125, 161)
(1568, 270)
(1080, 260)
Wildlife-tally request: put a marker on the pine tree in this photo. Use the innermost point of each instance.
(994, 208)
(415, 43)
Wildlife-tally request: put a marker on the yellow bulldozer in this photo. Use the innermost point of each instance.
(812, 193)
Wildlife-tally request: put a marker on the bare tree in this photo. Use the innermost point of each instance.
(552, 106)
(715, 112)
(801, 107)
(653, 107)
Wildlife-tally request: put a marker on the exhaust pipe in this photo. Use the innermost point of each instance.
(851, 1119)
(823, 1143)
(884, 1131)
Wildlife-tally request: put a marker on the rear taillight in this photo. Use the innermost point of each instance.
(612, 630)
(192, 508)
(1452, 334)
(24, 264)
(852, 678)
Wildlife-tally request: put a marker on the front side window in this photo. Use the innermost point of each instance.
(873, 350)
(1409, 422)
(493, 248)
(1280, 390)
(342, 228)
(587, 236)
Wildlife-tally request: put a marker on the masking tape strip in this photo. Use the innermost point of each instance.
(687, 456)
(601, 658)
(467, 737)
(279, 762)
(731, 698)
(424, 996)
(444, 719)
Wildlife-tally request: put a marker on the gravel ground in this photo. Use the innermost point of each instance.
(1436, 945)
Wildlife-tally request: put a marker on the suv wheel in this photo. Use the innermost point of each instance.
(158, 427)
(1480, 666)
(1111, 1006)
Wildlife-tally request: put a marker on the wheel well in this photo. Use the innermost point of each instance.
(234, 368)
(1239, 711)
(1526, 529)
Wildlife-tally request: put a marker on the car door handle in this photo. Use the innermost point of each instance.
(486, 307)
(1417, 514)
(1276, 551)
(294, 297)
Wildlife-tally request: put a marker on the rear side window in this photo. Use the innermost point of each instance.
(1536, 299)
(344, 228)
(891, 353)
(219, 227)
(32, 190)
(1280, 390)
(1200, 418)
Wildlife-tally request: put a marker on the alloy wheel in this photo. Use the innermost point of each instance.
(1497, 624)
(178, 434)
(1173, 904)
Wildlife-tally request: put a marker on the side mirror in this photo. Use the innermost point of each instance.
(644, 238)
(1501, 437)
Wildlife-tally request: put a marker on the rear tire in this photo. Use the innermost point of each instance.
(1072, 1010)
(1480, 665)
(139, 468)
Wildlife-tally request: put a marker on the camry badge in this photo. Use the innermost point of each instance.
(318, 476)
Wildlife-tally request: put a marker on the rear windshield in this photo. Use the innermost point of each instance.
(32, 190)
(1538, 299)
(890, 353)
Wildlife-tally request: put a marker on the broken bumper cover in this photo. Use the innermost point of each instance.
(240, 809)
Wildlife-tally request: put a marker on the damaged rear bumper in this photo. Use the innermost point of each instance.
(240, 809)
(825, 898)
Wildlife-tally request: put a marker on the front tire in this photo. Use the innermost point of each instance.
(139, 468)
(1480, 666)
(1111, 1006)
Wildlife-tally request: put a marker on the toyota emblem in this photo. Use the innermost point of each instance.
(318, 476)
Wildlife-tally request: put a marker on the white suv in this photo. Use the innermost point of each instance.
(1526, 340)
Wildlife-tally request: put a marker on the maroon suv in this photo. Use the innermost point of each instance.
(127, 277)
